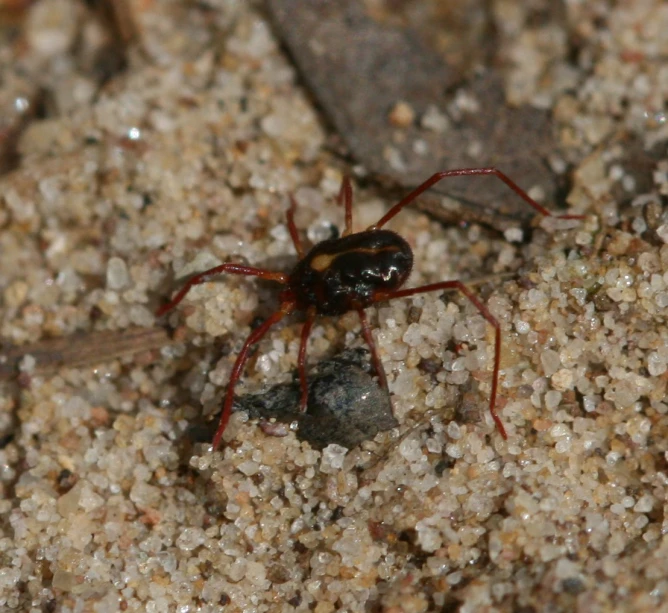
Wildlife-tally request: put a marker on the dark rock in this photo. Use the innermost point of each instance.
(346, 405)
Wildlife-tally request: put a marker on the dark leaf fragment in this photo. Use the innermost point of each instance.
(358, 70)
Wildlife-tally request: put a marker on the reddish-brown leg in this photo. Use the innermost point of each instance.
(368, 337)
(467, 172)
(253, 337)
(292, 228)
(204, 277)
(345, 197)
(301, 359)
(459, 286)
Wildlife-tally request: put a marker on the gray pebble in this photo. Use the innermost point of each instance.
(346, 405)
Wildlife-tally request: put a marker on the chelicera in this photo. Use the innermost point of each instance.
(350, 273)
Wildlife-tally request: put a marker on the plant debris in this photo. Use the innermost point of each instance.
(361, 71)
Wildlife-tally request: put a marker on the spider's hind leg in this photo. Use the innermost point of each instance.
(484, 311)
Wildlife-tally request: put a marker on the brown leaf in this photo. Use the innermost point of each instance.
(359, 69)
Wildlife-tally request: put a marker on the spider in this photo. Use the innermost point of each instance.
(350, 273)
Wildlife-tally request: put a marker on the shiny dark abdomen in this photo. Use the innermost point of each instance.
(362, 265)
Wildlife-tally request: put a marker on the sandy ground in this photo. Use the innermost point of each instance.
(185, 160)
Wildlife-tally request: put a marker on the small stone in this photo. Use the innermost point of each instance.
(644, 504)
(514, 235)
(656, 364)
(89, 500)
(551, 361)
(454, 451)
(237, 571)
(429, 537)
(402, 115)
(249, 468)
(434, 120)
(51, 27)
(454, 431)
(27, 364)
(562, 380)
(190, 538)
(69, 502)
(256, 573)
(332, 458)
(411, 450)
(662, 232)
(15, 294)
(345, 406)
(117, 274)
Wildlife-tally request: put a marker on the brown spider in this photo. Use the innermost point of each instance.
(349, 273)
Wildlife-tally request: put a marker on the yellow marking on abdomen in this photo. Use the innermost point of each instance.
(322, 262)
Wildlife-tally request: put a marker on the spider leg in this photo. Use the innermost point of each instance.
(467, 172)
(253, 337)
(301, 360)
(204, 277)
(345, 197)
(484, 311)
(292, 227)
(368, 337)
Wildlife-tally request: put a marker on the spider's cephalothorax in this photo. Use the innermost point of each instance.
(343, 274)
(349, 274)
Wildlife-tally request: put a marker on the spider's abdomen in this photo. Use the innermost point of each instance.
(345, 273)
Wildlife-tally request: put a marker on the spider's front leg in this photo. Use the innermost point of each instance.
(468, 172)
(207, 275)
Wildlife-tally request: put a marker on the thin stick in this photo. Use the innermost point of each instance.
(81, 350)
(346, 198)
